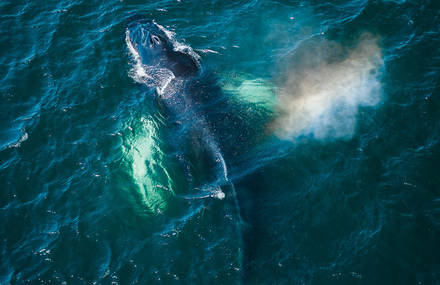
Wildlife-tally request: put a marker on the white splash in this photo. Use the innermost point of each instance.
(178, 46)
(323, 101)
(23, 138)
(150, 75)
(156, 76)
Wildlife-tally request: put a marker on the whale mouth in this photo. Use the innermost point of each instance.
(149, 74)
(157, 57)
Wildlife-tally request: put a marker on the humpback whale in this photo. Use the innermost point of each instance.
(173, 70)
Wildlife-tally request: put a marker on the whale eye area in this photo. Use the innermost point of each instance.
(154, 40)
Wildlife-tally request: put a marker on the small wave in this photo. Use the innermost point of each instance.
(205, 50)
(17, 144)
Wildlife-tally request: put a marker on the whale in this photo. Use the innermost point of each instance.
(175, 74)
(172, 70)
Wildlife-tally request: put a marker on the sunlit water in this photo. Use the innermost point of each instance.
(325, 115)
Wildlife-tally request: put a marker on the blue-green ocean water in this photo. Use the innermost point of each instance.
(333, 145)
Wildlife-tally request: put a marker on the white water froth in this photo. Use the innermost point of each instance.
(150, 75)
(17, 144)
(323, 100)
(178, 46)
(156, 76)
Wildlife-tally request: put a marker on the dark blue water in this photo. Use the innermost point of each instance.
(326, 114)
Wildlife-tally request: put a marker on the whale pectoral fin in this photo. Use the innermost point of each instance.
(250, 90)
(207, 191)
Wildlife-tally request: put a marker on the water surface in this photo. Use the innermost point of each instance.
(334, 155)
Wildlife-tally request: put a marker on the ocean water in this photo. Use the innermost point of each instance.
(325, 113)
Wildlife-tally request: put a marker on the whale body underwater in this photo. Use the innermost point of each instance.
(182, 91)
(174, 70)
(189, 100)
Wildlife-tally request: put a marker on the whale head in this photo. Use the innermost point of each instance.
(156, 48)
